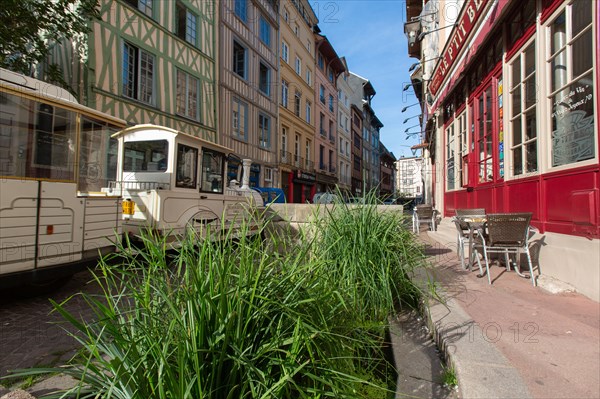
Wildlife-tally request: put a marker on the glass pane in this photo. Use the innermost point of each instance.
(530, 91)
(559, 70)
(583, 54)
(187, 160)
(180, 102)
(517, 161)
(530, 59)
(516, 128)
(146, 156)
(531, 149)
(212, 171)
(55, 143)
(16, 130)
(98, 155)
(558, 32)
(581, 15)
(516, 101)
(530, 125)
(516, 72)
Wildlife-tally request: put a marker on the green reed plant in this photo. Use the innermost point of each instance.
(216, 318)
(370, 256)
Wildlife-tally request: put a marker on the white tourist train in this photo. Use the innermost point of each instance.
(73, 180)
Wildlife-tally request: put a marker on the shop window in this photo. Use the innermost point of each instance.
(572, 81)
(523, 115)
(450, 157)
(522, 18)
(461, 126)
(484, 138)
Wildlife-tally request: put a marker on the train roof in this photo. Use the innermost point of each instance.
(25, 86)
(164, 129)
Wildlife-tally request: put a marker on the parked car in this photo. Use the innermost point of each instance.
(325, 198)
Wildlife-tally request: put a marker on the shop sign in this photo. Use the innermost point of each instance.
(472, 10)
(304, 177)
(573, 116)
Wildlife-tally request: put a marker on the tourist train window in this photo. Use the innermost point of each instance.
(213, 163)
(138, 74)
(146, 156)
(239, 122)
(188, 95)
(187, 166)
(570, 61)
(97, 155)
(523, 112)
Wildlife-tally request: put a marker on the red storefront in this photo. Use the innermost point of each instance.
(515, 117)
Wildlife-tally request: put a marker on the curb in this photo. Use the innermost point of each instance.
(481, 369)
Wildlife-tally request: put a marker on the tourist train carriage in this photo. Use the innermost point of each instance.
(171, 181)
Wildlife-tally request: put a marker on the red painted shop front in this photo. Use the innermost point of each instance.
(521, 123)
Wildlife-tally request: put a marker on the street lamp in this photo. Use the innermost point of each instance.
(408, 128)
(423, 34)
(412, 30)
(407, 86)
(413, 66)
(412, 105)
(407, 119)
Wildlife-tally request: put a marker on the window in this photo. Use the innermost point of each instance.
(450, 157)
(484, 139)
(55, 138)
(145, 6)
(296, 32)
(188, 93)
(239, 59)
(331, 103)
(321, 157)
(322, 123)
(330, 130)
(239, 119)
(138, 74)
(187, 24)
(265, 31)
(264, 79)
(330, 74)
(298, 66)
(283, 139)
(308, 76)
(268, 177)
(523, 112)
(321, 62)
(284, 93)
(187, 166)
(357, 163)
(213, 163)
(264, 131)
(240, 9)
(146, 156)
(298, 98)
(308, 111)
(309, 45)
(570, 61)
(322, 94)
(297, 150)
(307, 150)
(462, 148)
(285, 52)
(286, 15)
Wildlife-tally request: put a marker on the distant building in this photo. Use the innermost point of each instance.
(344, 118)
(409, 178)
(387, 171)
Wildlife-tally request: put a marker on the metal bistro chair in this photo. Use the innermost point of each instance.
(462, 229)
(423, 214)
(507, 233)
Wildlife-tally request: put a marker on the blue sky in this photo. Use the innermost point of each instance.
(370, 34)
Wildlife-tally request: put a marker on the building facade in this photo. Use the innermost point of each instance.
(409, 179)
(357, 146)
(248, 91)
(149, 62)
(344, 118)
(297, 95)
(327, 69)
(387, 172)
(512, 121)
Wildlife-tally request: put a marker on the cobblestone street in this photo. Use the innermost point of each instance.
(32, 335)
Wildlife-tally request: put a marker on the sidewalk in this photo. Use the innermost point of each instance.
(510, 339)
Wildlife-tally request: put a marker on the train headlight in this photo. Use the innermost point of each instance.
(128, 207)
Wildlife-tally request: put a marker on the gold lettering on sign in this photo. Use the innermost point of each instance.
(471, 13)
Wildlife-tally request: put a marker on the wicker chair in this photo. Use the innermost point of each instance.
(462, 229)
(506, 233)
(423, 214)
